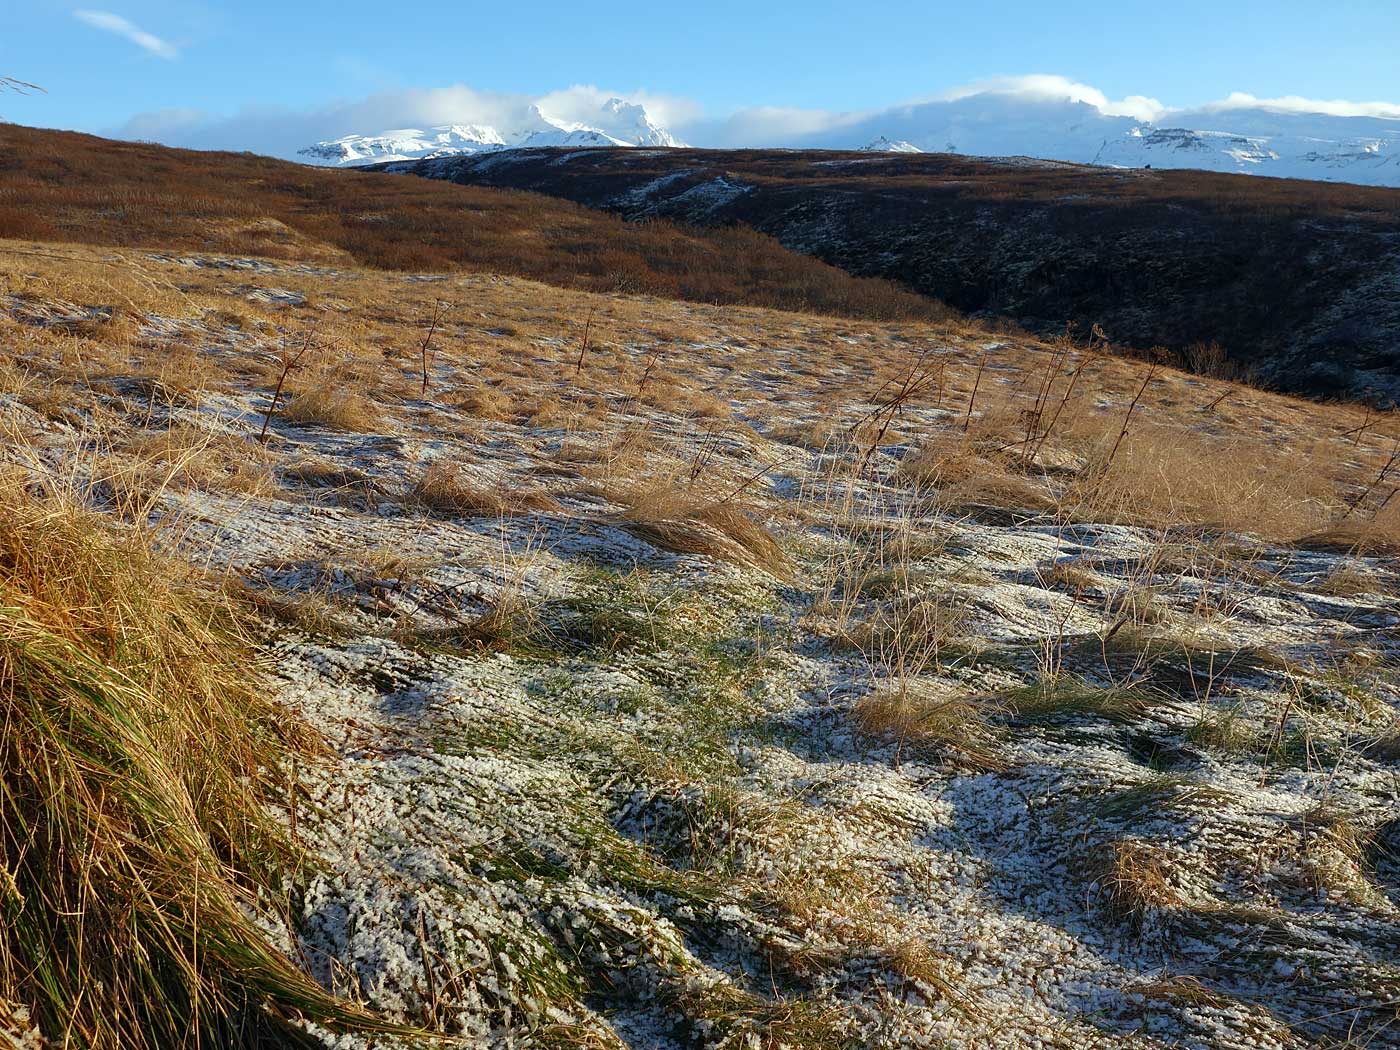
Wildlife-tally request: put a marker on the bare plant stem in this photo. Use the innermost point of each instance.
(289, 362)
(583, 348)
(428, 343)
(972, 400)
(1355, 432)
(1218, 401)
(652, 360)
(917, 379)
(1376, 482)
(1128, 417)
(1064, 400)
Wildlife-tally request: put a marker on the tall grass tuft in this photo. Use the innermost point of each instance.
(136, 763)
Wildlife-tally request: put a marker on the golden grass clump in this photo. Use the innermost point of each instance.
(1137, 878)
(680, 519)
(1167, 475)
(952, 728)
(185, 457)
(330, 406)
(446, 489)
(965, 472)
(912, 632)
(137, 762)
(483, 401)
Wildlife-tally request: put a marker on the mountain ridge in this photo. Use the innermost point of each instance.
(1254, 140)
(616, 123)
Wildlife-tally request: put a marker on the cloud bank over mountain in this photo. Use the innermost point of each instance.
(1038, 115)
(282, 132)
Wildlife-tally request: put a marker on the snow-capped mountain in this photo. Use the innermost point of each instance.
(448, 140)
(617, 123)
(1251, 140)
(1255, 139)
(884, 145)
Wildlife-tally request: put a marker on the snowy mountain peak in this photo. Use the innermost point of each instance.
(446, 140)
(616, 123)
(885, 145)
(631, 121)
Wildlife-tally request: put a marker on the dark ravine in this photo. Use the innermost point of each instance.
(1298, 282)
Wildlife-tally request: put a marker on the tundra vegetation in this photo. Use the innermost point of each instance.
(615, 671)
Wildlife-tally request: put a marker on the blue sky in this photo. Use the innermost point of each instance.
(229, 72)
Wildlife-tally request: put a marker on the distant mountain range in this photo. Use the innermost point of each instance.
(1247, 139)
(619, 123)
(1253, 140)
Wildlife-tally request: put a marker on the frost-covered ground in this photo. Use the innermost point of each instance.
(947, 775)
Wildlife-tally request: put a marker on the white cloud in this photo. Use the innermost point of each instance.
(282, 131)
(1297, 104)
(764, 126)
(582, 101)
(1050, 86)
(110, 23)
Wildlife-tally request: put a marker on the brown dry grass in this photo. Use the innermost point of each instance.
(447, 489)
(1137, 878)
(1174, 476)
(950, 728)
(340, 409)
(183, 456)
(58, 186)
(1278, 467)
(683, 520)
(138, 763)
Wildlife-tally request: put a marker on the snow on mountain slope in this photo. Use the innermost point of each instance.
(884, 145)
(444, 141)
(1252, 139)
(1259, 141)
(631, 123)
(617, 123)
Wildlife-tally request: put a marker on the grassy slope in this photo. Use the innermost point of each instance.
(60, 186)
(679, 745)
(1292, 279)
(156, 400)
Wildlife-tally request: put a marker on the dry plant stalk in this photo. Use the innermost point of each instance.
(426, 348)
(918, 378)
(583, 347)
(1375, 483)
(289, 362)
(976, 385)
(1128, 416)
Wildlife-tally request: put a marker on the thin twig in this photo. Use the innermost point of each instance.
(428, 342)
(288, 364)
(971, 401)
(1376, 482)
(1151, 373)
(583, 348)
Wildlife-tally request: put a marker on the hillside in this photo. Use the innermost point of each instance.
(389, 653)
(59, 186)
(1298, 282)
